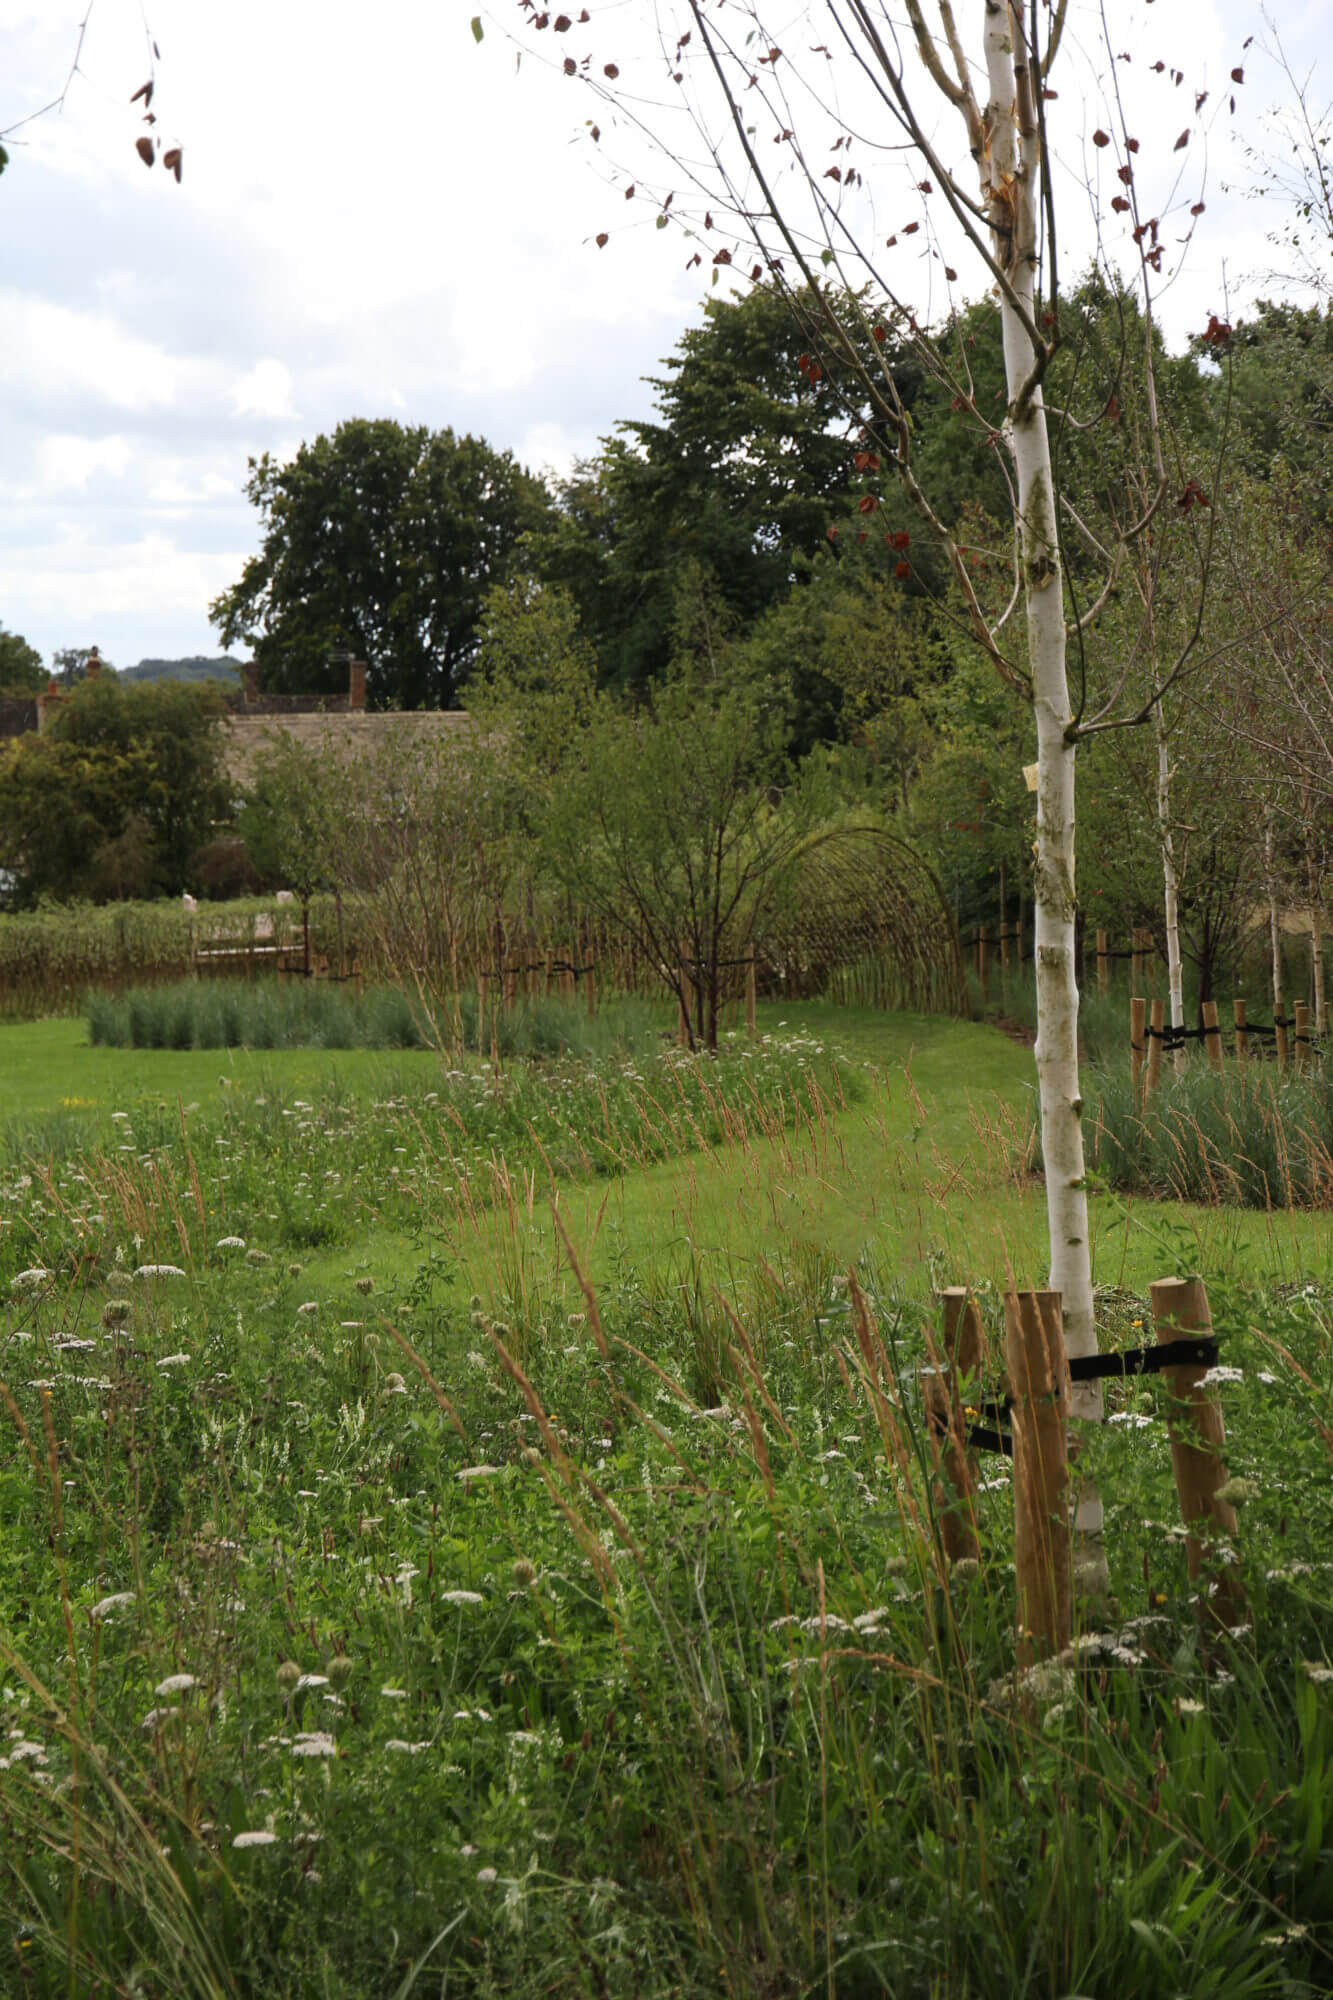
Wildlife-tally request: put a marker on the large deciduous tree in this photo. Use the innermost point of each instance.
(740, 472)
(382, 540)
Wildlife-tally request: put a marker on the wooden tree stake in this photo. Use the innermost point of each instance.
(1212, 1035)
(954, 1491)
(1242, 1039)
(751, 985)
(1039, 1387)
(1302, 1025)
(1157, 1030)
(1138, 1020)
(1103, 963)
(1179, 1308)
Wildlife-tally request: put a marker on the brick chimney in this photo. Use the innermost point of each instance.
(49, 706)
(251, 683)
(356, 686)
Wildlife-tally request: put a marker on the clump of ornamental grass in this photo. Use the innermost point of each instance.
(1251, 1137)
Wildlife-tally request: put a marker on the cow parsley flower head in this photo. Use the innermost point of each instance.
(314, 1743)
(106, 1605)
(176, 1684)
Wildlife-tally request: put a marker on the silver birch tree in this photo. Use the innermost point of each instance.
(776, 125)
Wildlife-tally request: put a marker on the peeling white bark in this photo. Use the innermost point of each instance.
(1010, 186)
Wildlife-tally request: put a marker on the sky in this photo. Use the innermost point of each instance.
(379, 216)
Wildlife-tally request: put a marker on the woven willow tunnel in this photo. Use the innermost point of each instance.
(866, 922)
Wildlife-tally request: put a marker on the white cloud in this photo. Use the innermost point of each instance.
(67, 463)
(265, 392)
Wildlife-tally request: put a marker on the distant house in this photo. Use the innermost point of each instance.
(338, 725)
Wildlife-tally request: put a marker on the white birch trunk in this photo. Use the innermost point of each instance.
(1170, 885)
(1274, 918)
(1010, 187)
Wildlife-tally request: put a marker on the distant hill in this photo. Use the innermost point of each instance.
(196, 668)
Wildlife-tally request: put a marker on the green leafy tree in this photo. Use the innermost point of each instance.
(677, 820)
(747, 465)
(21, 670)
(114, 754)
(383, 539)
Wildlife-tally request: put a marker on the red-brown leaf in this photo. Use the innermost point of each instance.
(144, 148)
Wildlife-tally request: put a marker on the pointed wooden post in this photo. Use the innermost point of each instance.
(1039, 1388)
(1138, 1021)
(1198, 1439)
(955, 1503)
(1156, 1032)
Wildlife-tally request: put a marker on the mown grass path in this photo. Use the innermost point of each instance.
(924, 1176)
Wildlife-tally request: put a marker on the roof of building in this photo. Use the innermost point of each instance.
(346, 735)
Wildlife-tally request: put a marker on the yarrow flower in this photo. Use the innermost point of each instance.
(176, 1684)
(159, 1271)
(258, 1837)
(461, 1597)
(234, 1243)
